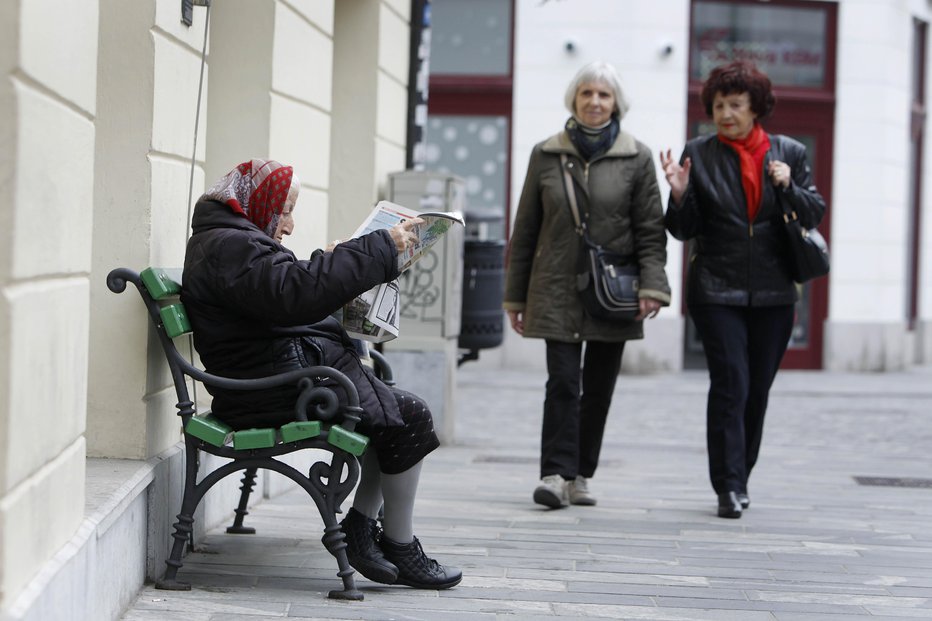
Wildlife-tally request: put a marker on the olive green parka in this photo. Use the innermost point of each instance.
(619, 191)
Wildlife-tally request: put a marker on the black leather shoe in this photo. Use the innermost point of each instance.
(415, 569)
(362, 535)
(728, 505)
(744, 499)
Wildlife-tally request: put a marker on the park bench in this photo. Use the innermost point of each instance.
(329, 428)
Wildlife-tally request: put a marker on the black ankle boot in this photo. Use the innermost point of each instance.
(728, 505)
(415, 569)
(362, 535)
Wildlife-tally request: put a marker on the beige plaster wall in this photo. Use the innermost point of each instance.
(149, 64)
(94, 174)
(46, 184)
(271, 96)
(371, 40)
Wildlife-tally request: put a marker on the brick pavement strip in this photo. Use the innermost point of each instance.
(815, 545)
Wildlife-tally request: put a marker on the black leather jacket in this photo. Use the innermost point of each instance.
(732, 260)
(256, 310)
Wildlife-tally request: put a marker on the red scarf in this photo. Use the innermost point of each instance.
(751, 151)
(256, 189)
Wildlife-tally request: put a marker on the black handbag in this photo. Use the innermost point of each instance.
(607, 282)
(808, 251)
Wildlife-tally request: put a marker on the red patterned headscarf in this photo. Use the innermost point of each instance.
(257, 190)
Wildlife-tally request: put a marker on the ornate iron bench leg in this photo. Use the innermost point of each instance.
(184, 526)
(328, 498)
(249, 481)
(333, 540)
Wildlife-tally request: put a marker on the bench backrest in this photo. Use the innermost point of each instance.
(160, 288)
(163, 284)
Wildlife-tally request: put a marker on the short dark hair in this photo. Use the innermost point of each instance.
(740, 76)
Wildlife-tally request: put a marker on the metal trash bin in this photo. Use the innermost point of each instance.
(482, 317)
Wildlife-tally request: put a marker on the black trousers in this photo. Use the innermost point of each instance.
(578, 394)
(743, 348)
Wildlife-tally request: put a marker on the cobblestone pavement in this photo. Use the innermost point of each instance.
(815, 545)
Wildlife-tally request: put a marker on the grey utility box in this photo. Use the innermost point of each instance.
(431, 291)
(424, 356)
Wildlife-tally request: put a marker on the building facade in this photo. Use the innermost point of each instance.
(850, 82)
(99, 124)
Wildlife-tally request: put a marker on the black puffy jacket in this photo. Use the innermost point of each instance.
(256, 310)
(732, 260)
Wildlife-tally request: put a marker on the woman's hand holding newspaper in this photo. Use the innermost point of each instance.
(402, 234)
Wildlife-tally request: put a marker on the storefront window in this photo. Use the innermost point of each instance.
(786, 43)
(471, 38)
(476, 149)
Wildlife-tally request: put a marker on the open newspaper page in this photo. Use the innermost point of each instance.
(374, 315)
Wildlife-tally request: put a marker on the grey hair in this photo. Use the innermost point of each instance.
(295, 188)
(598, 71)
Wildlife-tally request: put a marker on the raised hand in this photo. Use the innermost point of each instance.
(677, 175)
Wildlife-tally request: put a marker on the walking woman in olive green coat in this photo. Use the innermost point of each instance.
(616, 186)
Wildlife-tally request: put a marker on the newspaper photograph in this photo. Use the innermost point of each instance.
(373, 316)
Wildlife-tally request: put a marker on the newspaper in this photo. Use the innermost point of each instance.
(374, 315)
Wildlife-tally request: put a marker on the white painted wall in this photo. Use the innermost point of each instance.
(46, 185)
(866, 328)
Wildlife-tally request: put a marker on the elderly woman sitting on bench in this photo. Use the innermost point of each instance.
(257, 310)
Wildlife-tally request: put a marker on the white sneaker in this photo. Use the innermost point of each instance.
(552, 492)
(578, 491)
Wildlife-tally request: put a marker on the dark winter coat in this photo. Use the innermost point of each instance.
(619, 192)
(732, 260)
(256, 310)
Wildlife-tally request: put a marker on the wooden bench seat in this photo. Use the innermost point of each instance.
(322, 421)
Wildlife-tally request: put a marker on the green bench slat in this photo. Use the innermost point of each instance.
(300, 430)
(349, 441)
(161, 283)
(253, 439)
(175, 319)
(210, 429)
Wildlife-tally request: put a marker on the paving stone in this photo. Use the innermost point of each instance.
(814, 546)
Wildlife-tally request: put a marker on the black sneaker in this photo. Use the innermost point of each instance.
(415, 569)
(362, 535)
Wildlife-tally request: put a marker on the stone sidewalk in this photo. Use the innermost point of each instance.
(815, 545)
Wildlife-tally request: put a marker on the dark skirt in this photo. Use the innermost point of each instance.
(400, 448)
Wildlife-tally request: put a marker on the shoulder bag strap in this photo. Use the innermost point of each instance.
(571, 195)
(776, 152)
